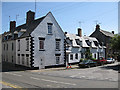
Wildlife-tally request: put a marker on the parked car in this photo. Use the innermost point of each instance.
(101, 61)
(110, 60)
(87, 63)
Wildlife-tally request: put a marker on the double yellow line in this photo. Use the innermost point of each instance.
(11, 85)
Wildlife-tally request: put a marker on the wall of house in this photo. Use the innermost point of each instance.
(23, 53)
(9, 54)
(47, 57)
(74, 51)
(95, 52)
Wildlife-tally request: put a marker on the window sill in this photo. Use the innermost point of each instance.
(42, 50)
(57, 50)
(49, 34)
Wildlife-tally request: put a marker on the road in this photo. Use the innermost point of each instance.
(96, 77)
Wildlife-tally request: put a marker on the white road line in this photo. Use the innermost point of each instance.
(34, 78)
(16, 75)
(13, 74)
(52, 81)
(58, 82)
(75, 75)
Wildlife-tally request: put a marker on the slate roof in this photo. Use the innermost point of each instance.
(92, 40)
(29, 28)
(106, 33)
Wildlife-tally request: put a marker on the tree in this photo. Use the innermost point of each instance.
(88, 54)
(115, 42)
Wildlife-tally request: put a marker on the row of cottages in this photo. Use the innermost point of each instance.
(104, 37)
(77, 45)
(37, 43)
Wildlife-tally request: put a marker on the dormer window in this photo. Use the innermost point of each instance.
(96, 43)
(88, 42)
(21, 32)
(78, 42)
(49, 28)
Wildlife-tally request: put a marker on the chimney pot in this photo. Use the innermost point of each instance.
(80, 32)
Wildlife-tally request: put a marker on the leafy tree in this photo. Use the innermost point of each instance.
(88, 54)
(115, 42)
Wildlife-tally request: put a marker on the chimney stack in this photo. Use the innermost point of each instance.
(97, 27)
(112, 32)
(12, 26)
(30, 17)
(80, 32)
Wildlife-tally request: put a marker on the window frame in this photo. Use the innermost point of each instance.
(18, 45)
(76, 56)
(71, 56)
(27, 44)
(57, 59)
(50, 27)
(12, 46)
(23, 59)
(27, 59)
(41, 44)
(18, 58)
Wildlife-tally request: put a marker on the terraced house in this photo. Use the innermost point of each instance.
(77, 45)
(37, 43)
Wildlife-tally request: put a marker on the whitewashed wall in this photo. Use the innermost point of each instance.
(48, 56)
(9, 55)
(23, 47)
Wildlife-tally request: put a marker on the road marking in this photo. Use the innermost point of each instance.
(10, 85)
(13, 74)
(57, 82)
(52, 81)
(17, 75)
(49, 86)
(34, 78)
(75, 75)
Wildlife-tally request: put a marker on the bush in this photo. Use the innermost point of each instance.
(81, 59)
(93, 58)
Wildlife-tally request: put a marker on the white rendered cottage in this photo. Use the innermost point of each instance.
(76, 46)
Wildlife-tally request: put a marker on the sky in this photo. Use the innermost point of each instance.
(68, 14)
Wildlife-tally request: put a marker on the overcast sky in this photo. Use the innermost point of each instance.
(68, 14)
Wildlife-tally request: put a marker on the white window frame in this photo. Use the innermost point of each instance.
(27, 60)
(57, 59)
(18, 58)
(57, 45)
(18, 45)
(76, 56)
(23, 59)
(12, 46)
(41, 44)
(71, 58)
(27, 44)
(50, 28)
